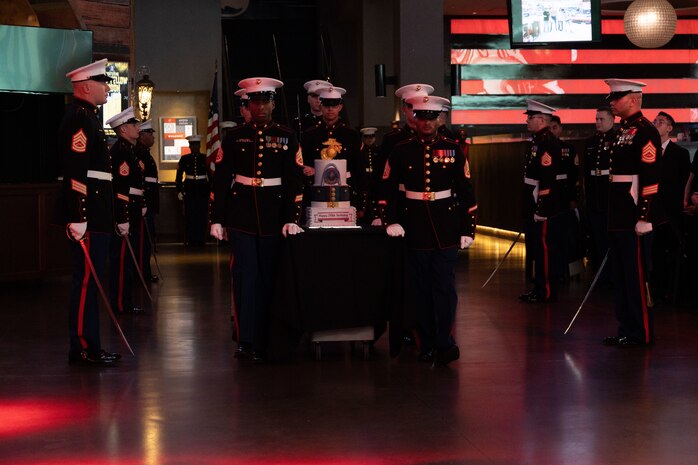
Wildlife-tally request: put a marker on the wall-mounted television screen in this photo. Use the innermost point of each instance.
(554, 23)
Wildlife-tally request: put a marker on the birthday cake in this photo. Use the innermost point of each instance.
(330, 196)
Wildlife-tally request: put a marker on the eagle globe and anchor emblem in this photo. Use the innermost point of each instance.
(330, 175)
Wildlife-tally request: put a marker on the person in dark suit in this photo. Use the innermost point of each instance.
(634, 209)
(346, 140)
(264, 202)
(595, 165)
(541, 195)
(193, 188)
(146, 139)
(86, 196)
(434, 172)
(129, 207)
(668, 244)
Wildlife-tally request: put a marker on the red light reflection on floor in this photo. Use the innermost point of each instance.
(27, 416)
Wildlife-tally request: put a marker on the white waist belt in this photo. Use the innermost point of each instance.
(428, 195)
(531, 182)
(99, 175)
(623, 178)
(191, 176)
(153, 180)
(257, 182)
(560, 177)
(599, 173)
(135, 191)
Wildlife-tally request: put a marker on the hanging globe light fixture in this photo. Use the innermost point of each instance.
(650, 23)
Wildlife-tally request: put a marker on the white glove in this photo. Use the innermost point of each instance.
(377, 222)
(217, 231)
(144, 210)
(466, 241)
(395, 230)
(538, 219)
(642, 228)
(180, 196)
(122, 229)
(291, 229)
(77, 230)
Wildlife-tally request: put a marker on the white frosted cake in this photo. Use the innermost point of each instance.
(330, 197)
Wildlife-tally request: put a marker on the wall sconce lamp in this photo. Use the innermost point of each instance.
(144, 93)
(382, 80)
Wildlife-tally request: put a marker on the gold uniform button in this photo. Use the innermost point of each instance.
(427, 188)
(260, 133)
(428, 172)
(428, 164)
(260, 155)
(426, 155)
(261, 147)
(427, 180)
(258, 173)
(259, 163)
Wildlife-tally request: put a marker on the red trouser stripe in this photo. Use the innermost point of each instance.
(83, 296)
(545, 259)
(643, 296)
(122, 255)
(232, 301)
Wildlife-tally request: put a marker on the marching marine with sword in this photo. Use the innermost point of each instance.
(87, 209)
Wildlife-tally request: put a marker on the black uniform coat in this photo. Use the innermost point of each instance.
(306, 122)
(676, 164)
(127, 173)
(431, 166)
(150, 173)
(83, 147)
(391, 139)
(269, 151)
(596, 156)
(192, 164)
(371, 172)
(635, 152)
(350, 139)
(568, 187)
(541, 165)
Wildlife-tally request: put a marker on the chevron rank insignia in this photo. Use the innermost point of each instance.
(79, 144)
(649, 153)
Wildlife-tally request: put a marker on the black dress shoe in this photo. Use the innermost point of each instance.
(408, 340)
(427, 356)
(112, 355)
(611, 340)
(84, 358)
(243, 353)
(526, 295)
(135, 310)
(259, 357)
(154, 278)
(538, 299)
(629, 342)
(446, 356)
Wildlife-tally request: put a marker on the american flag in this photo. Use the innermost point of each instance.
(212, 141)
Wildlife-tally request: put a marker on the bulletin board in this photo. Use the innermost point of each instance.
(174, 131)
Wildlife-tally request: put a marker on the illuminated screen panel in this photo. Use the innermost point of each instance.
(495, 80)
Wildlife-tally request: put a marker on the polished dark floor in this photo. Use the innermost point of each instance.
(521, 393)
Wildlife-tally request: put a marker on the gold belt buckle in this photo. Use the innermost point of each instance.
(598, 172)
(428, 196)
(257, 182)
(610, 178)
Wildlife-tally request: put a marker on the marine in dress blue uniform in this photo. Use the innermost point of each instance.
(86, 197)
(541, 203)
(129, 208)
(314, 116)
(633, 210)
(372, 171)
(265, 162)
(595, 166)
(194, 189)
(434, 172)
(151, 187)
(332, 130)
(399, 134)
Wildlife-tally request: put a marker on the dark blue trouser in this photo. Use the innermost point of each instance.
(121, 269)
(546, 241)
(253, 263)
(147, 249)
(83, 315)
(196, 218)
(432, 275)
(599, 242)
(629, 277)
